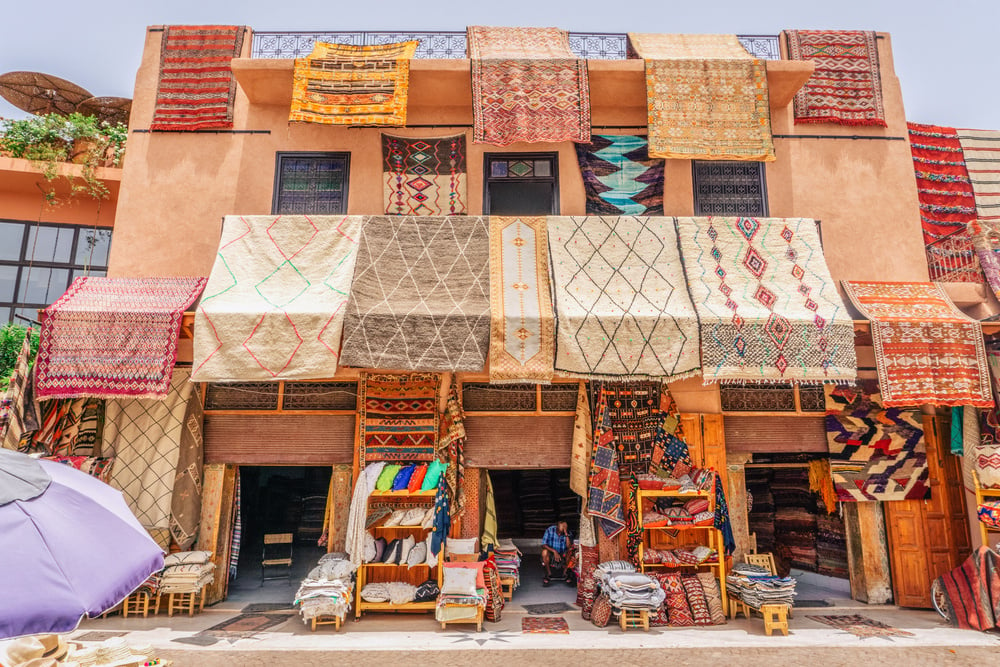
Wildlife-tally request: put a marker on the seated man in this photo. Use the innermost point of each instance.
(557, 551)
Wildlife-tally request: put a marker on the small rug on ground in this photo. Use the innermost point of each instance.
(266, 607)
(250, 623)
(547, 608)
(861, 626)
(544, 625)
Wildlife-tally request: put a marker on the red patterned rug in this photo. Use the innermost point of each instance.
(113, 337)
(399, 417)
(846, 86)
(196, 88)
(926, 349)
(544, 625)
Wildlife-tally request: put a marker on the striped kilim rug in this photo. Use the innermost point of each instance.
(527, 85)
(846, 86)
(768, 307)
(424, 176)
(947, 204)
(926, 349)
(399, 417)
(707, 98)
(340, 84)
(196, 87)
(981, 150)
(113, 337)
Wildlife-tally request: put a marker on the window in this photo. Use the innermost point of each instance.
(775, 397)
(283, 396)
(521, 184)
(39, 261)
(311, 183)
(529, 398)
(730, 188)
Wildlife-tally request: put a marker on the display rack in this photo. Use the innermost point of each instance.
(707, 535)
(383, 572)
(982, 494)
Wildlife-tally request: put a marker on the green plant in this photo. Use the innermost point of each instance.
(49, 140)
(11, 340)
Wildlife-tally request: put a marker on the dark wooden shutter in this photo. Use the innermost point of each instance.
(518, 442)
(776, 434)
(279, 439)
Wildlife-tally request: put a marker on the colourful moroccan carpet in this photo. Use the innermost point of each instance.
(604, 494)
(424, 176)
(196, 87)
(340, 84)
(768, 307)
(982, 454)
(274, 304)
(185, 504)
(926, 349)
(522, 325)
(398, 416)
(876, 453)
(420, 299)
(583, 439)
(544, 625)
(619, 177)
(18, 414)
(622, 310)
(971, 592)
(861, 626)
(451, 448)
(98, 467)
(947, 204)
(707, 98)
(527, 85)
(981, 151)
(634, 417)
(846, 86)
(113, 337)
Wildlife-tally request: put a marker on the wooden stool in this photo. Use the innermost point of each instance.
(507, 588)
(736, 605)
(775, 616)
(477, 619)
(335, 621)
(634, 618)
(137, 603)
(188, 602)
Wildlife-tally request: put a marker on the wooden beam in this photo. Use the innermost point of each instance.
(867, 553)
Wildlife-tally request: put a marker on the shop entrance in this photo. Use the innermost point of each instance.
(791, 521)
(279, 500)
(527, 502)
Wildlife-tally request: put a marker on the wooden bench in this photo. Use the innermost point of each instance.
(775, 617)
(507, 588)
(633, 618)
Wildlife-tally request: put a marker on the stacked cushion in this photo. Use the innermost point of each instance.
(417, 478)
(434, 470)
(402, 478)
(387, 477)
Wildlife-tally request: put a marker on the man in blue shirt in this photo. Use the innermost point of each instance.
(557, 545)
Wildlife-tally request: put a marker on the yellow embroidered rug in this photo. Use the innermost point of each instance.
(340, 84)
(522, 326)
(706, 97)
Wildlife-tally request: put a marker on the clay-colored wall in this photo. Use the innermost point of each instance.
(21, 198)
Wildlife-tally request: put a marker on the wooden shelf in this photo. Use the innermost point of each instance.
(395, 495)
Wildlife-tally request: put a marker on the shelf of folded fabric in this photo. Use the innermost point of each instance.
(988, 511)
(388, 495)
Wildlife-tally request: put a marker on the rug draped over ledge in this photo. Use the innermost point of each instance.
(926, 349)
(619, 177)
(196, 88)
(420, 299)
(846, 86)
(340, 84)
(113, 337)
(527, 85)
(981, 150)
(768, 307)
(707, 98)
(876, 453)
(274, 305)
(622, 308)
(424, 176)
(522, 324)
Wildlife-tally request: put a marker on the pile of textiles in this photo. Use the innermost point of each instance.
(680, 556)
(633, 590)
(328, 589)
(99, 467)
(401, 551)
(794, 517)
(689, 599)
(412, 478)
(463, 592)
(831, 544)
(187, 572)
(761, 507)
(756, 586)
(537, 508)
(399, 592)
(989, 513)
(508, 559)
(678, 512)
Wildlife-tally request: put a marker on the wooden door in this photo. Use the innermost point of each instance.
(927, 538)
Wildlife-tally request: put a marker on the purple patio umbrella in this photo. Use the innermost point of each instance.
(69, 547)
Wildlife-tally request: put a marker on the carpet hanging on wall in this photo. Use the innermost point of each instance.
(420, 299)
(947, 206)
(196, 87)
(622, 309)
(707, 98)
(876, 452)
(274, 305)
(926, 349)
(527, 85)
(981, 150)
(619, 177)
(18, 409)
(604, 494)
(768, 307)
(341, 84)
(846, 86)
(424, 176)
(522, 328)
(113, 337)
(451, 448)
(398, 417)
(982, 454)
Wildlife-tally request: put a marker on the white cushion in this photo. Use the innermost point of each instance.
(428, 521)
(368, 552)
(187, 558)
(395, 518)
(464, 546)
(417, 555)
(404, 552)
(413, 517)
(459, 581)
(432, 558)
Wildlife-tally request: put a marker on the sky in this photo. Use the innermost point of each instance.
(944, 51)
